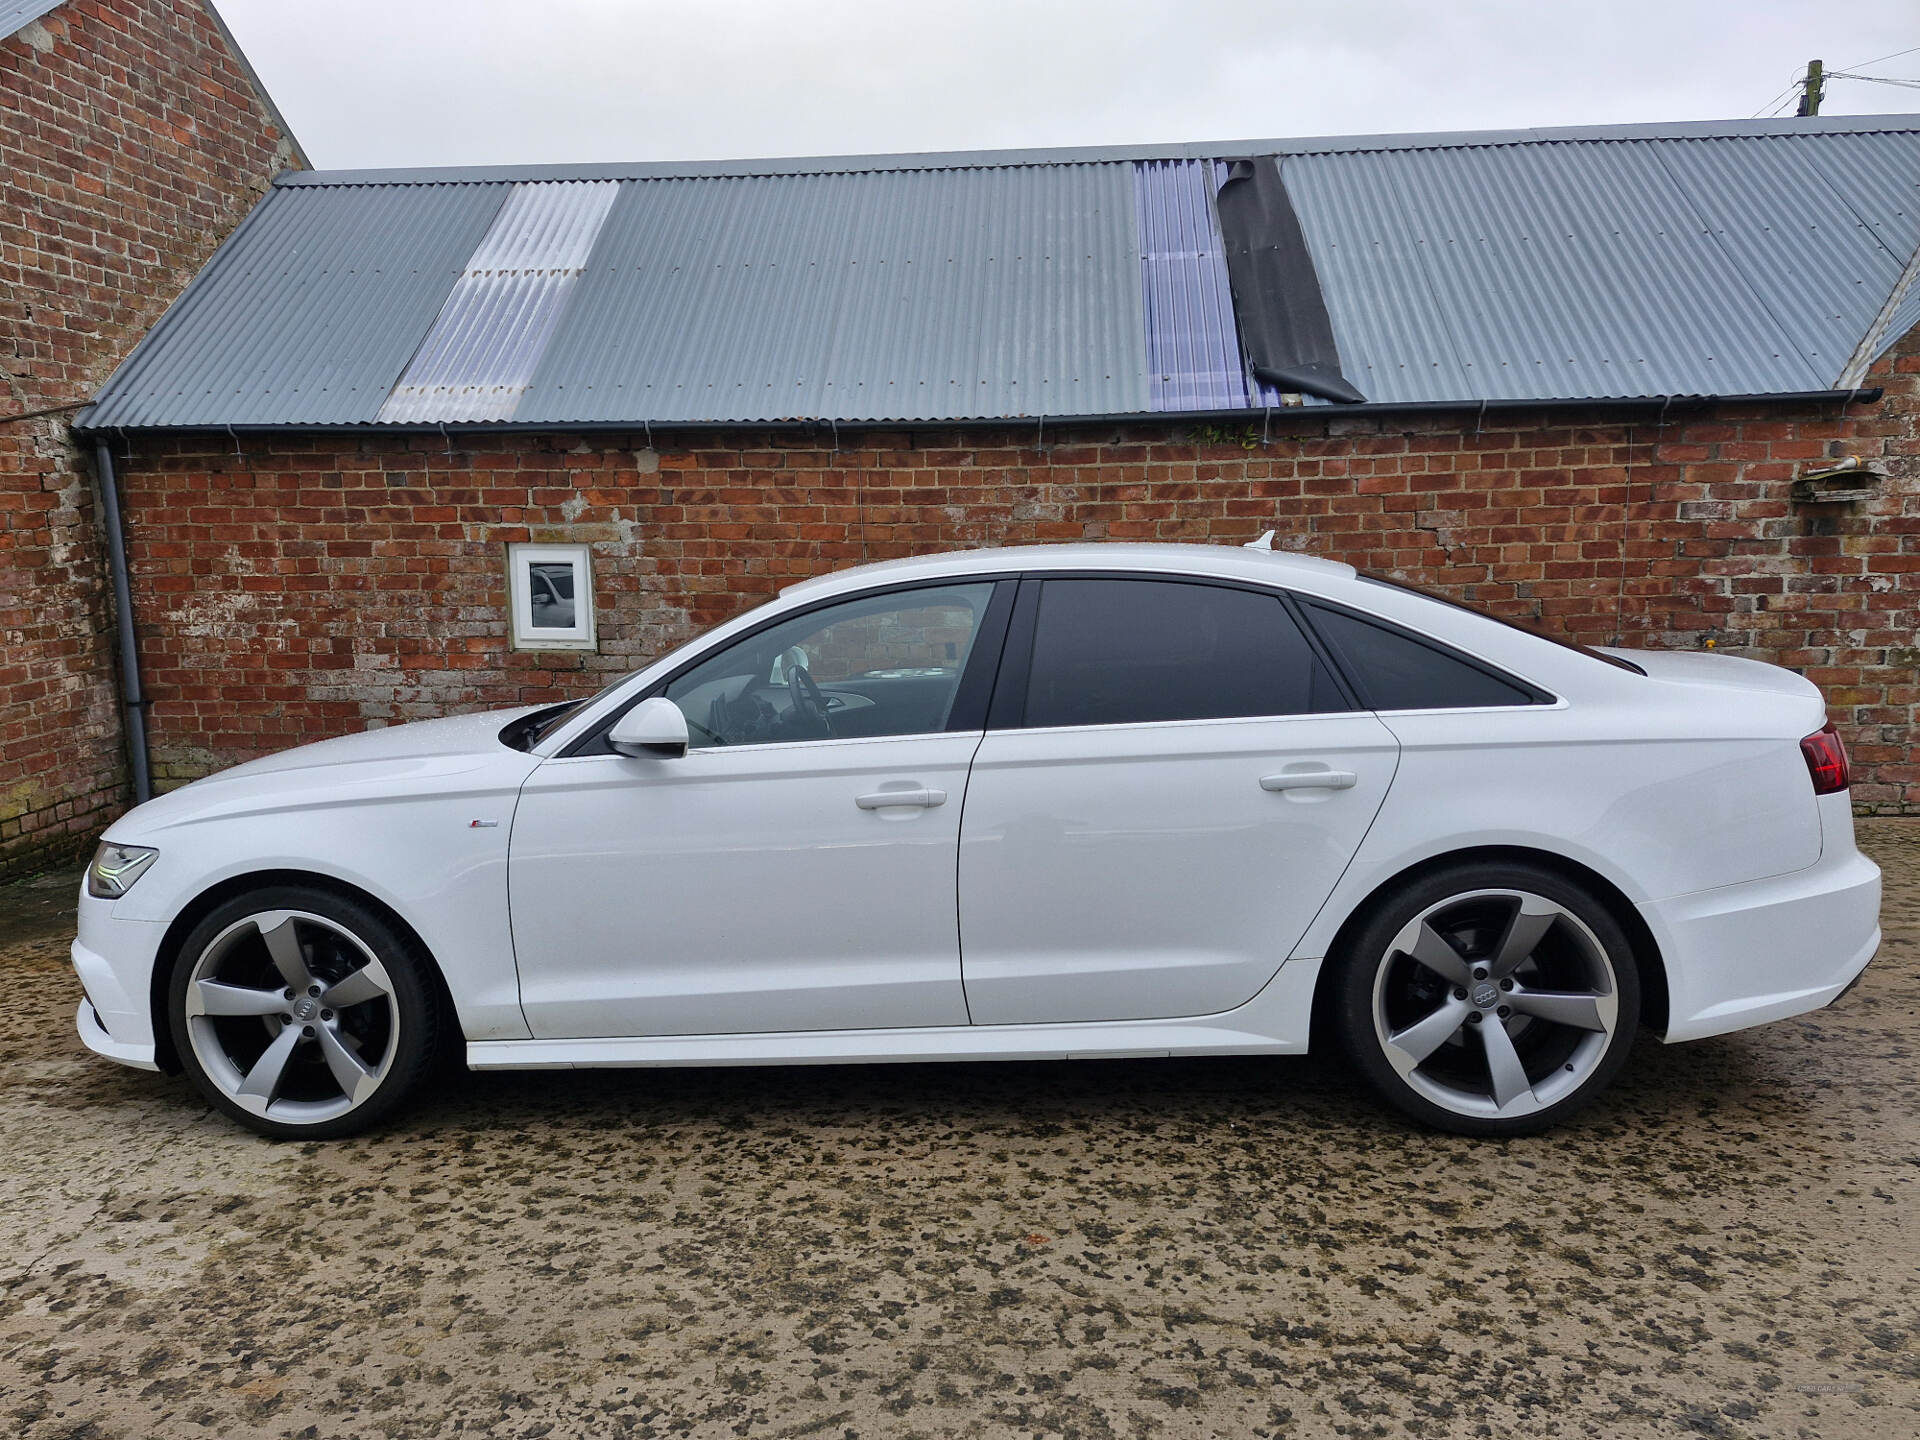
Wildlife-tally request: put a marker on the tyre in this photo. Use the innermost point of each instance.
(301, 1014)
(1488, 999)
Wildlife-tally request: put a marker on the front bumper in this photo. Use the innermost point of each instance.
(1742, 955)
(114, 960)
(95, 1037)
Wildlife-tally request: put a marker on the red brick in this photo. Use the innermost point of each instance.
(127, 151)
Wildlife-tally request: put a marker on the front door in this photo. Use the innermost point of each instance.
(795, 870)
(1160, 816)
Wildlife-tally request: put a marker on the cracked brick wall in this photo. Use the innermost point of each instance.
(131, 142)
(314, 586)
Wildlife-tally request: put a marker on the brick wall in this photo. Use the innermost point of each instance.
(131, 142)
(314, 586)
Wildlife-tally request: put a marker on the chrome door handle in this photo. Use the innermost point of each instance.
(882, 799)
(1310, 780)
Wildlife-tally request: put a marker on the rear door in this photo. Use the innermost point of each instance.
(1171, 784)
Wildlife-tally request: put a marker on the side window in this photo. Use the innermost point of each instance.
(1115, 652)
(1397, 672)
(878, 665)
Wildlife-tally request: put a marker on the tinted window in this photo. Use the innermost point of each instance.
(1113, 652)
(1397, 672)
(881, 665)
(1537, 631)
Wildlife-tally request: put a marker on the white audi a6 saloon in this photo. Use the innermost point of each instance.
(1055, 802)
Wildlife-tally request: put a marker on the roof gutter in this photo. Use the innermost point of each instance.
(1241, 415)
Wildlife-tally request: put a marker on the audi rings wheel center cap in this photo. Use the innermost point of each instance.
(1485, 994)
(305, 1008)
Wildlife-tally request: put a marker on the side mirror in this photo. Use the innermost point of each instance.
(653, 727)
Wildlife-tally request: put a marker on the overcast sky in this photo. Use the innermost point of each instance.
(438, 82)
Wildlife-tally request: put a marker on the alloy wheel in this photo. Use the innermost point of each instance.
(292, 1016)
(1496, 1003)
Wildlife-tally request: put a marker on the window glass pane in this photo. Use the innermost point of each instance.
(882, 665)
(1398, 672)
(1539, 631)
(550, 594)
(1113, 652)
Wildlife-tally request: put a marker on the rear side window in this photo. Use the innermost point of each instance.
(1395, 671)
(1117, 652)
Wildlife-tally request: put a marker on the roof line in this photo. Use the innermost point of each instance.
(17, 15)
(1867, 351)
(253, 77)
(1239, 416)
(1104, 154)
(160, 333)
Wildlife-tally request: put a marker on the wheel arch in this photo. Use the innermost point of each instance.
(214, 896)
(1648, 960)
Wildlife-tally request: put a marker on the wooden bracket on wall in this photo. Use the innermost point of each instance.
(1837, 483)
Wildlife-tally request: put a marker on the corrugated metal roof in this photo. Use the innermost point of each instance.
(16, 15)
(922, 295)
(480, 355)
(309, 312)
(1742, 259)
(1731, 266)
(1535, 273)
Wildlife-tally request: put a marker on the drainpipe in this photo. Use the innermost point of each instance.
(132, 696)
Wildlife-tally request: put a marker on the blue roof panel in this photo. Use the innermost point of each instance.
(1193, 342)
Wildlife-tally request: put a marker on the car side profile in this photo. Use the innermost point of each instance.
(1046, 802)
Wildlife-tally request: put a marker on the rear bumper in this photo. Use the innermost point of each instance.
(1743, 955)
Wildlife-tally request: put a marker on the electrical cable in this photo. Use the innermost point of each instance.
(1862, 64)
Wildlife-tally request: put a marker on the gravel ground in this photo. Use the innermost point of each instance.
(1727, 1246)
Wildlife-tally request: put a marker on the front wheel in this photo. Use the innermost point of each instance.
(301, 1013)
(1489, 999)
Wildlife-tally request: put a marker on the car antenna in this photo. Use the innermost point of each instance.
(1265, 542)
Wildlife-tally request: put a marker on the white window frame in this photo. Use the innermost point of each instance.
(524, 634)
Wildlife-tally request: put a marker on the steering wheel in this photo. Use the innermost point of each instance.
(809, 705)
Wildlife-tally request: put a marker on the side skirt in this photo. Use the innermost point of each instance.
(1274, 1022)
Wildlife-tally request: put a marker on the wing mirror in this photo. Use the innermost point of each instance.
(653, 727)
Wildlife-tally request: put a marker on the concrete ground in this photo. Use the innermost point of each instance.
(1726, 1246)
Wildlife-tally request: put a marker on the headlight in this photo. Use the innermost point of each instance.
(115, 868)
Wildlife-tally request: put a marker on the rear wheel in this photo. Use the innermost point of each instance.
(301, 1013)
(1489, 999)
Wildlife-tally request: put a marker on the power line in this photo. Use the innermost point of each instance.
(1862, 64)
(1875, 79)
(1774, 104)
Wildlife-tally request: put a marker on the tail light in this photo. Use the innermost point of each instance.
(1826, 759)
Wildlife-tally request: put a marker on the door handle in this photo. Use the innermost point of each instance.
(1310, 780)
(882, 799)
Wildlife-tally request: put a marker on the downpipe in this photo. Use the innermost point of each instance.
(133, 698)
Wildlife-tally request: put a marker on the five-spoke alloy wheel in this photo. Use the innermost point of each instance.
(301, 1013)
(1489, 1000)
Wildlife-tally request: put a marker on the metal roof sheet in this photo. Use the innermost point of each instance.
(308, 314)
(1742, 259)
(921, 295)
(16, 15)
(1533, 273)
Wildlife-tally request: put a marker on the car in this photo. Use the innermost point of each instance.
(1036, 802)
